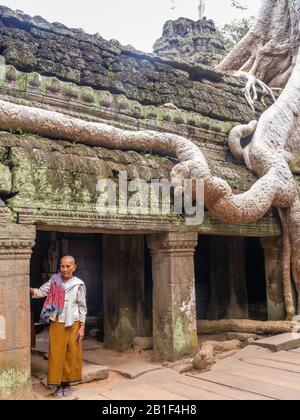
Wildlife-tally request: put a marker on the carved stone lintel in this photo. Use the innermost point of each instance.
(177, 244)
(16, 241)
(16, 248)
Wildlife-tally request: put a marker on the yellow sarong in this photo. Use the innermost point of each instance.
(65, 354)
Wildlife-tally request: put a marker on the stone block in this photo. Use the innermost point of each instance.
(135, 369)
(143, 343)
(5, 179)
(92, 372)
(282, 342)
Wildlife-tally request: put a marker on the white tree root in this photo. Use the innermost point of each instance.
(209, 350)
(244, 326)
(251, 93)
(269, 55)
(270, 48)
(219, 198)
(235, 139)
(286, 265)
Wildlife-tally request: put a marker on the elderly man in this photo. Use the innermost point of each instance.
(65, 309)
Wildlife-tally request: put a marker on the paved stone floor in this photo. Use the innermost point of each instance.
(254, 373)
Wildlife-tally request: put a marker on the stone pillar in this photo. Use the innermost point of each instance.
(273, 269)
(123, 290)
(174, 307)
(16, 244)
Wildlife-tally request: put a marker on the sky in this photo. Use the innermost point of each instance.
(135, 22)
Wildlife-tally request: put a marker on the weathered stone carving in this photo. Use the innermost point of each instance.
(196, 42)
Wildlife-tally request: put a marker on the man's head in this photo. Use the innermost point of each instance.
(67, 267)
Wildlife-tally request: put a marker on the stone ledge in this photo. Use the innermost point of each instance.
(90, 372)
(135, 369)
(282, 342)
(94, 373)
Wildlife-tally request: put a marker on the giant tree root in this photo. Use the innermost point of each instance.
(206, 357)
(252, 83)
(244, 326)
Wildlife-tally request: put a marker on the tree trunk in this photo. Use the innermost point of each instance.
(243, 326)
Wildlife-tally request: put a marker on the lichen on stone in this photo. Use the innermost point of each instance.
(12, 380)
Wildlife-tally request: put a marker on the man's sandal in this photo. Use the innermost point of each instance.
(67, 392)
(59, 393)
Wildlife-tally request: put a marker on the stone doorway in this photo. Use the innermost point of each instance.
(117, 272)
(230, 278)
(87, 250)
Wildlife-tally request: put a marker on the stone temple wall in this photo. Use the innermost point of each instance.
(49, 184)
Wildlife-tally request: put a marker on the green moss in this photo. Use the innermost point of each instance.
(144, 113)
(17, 131)
(179, 118)
(104, 99)
(122, 335)
(2, 73)
(294, 164)
(21, 82)
(5, 178)
(161, 115)
(40, 180)
(11, 381)
(45, 84)
(185, 341)
(75, 173)
(234, 183)
(177, 219)
(179, 336)
(87, 94)
(297, 178)
(34, 79)
(71, 90)
(149, 155)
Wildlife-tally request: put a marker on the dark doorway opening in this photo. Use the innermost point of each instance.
(87, 250)
(230, 278)
(256, 280)
(117, 272)
(202, 277)
(148, 289)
